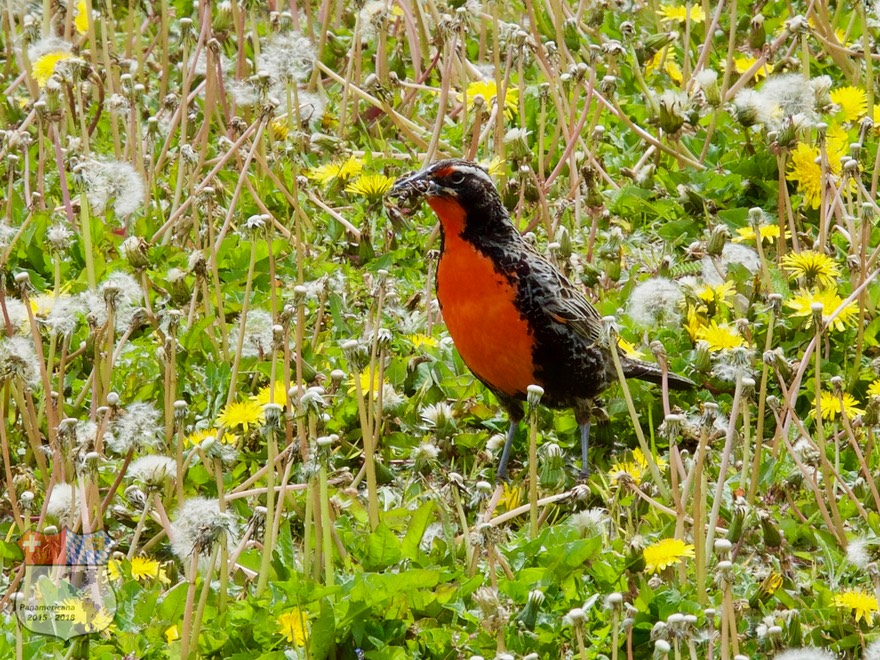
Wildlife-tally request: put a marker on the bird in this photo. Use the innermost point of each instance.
(514, 318)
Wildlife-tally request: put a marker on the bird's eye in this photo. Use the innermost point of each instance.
(457, 178)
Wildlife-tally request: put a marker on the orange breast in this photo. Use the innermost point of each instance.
(478, 307)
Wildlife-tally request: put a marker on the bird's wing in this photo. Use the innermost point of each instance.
(564, 303)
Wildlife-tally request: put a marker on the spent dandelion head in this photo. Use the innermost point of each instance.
(136, 428)
(200, 523)
(656, 302)
(112, 180)
(287, 57)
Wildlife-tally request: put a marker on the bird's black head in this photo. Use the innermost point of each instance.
(464, 181)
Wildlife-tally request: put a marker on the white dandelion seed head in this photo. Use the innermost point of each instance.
(137, 428)
(590, 522)
(199, 519)
(655, 302)
(129, 297)
(18, 361)
(425, 452)
(60, 315)
(242, 92)
(257, 340)
(287, 57)
(706, 78)
(112, 180)
(439, 416)
(752, 108)
(433, 532)
(808, 653)
(872, 651)
(153, 470)
(715, 270)
(48, 45)
(62, 503)
(857, 552)
(7, 233)
(786, 95)
(59, 236)
(18, 315)
(392, 400)
(86, 434)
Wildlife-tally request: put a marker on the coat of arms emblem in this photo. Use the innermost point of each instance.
(65, 589)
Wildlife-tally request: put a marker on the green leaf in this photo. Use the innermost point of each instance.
(383, 549)
(323, 632)
(418, 523)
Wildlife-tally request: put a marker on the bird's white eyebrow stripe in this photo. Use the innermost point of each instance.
(477, 171)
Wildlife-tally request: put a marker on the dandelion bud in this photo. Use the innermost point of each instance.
(717, 239)
(272, 415)
(748, 386)
(671, 108)
(702, 357)
(608, 85)
(528, 616)
(26, 500)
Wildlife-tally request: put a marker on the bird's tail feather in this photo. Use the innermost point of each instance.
(653, 374)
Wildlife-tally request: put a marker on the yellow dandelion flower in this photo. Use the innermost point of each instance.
(675, 13)
(114, 569)
(623, 469)
(510, 497)
(874, 388)
(338, 169)
(244, 414)
(197, 437)
(767, 232)
(144, 568)
(294, 626)
(373, 186)
(488, 89)
(716, 297)
(172, 634)
(280, 129)
(853, 102)
(668, 552)
(496, 166)
(629, 349)
(807, 173)
(277, 391)
(743, 64)
(862, 603)
(720, 336)
(664, 58)
(44, 67)
(802, 305)
(86, 614)
(419, 340)
(831, 406)
(81, 22)
(639, 458)
(694, 322)
(875, 115)
(813, 267)
(366, 384)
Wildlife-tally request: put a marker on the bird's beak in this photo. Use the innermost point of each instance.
(416, 184)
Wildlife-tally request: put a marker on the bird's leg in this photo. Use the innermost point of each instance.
(583, 412)
(585, 442)
(501, 474)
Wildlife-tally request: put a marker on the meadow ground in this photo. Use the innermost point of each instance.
(221, 344)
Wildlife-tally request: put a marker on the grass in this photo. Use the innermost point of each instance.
(221, 346)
